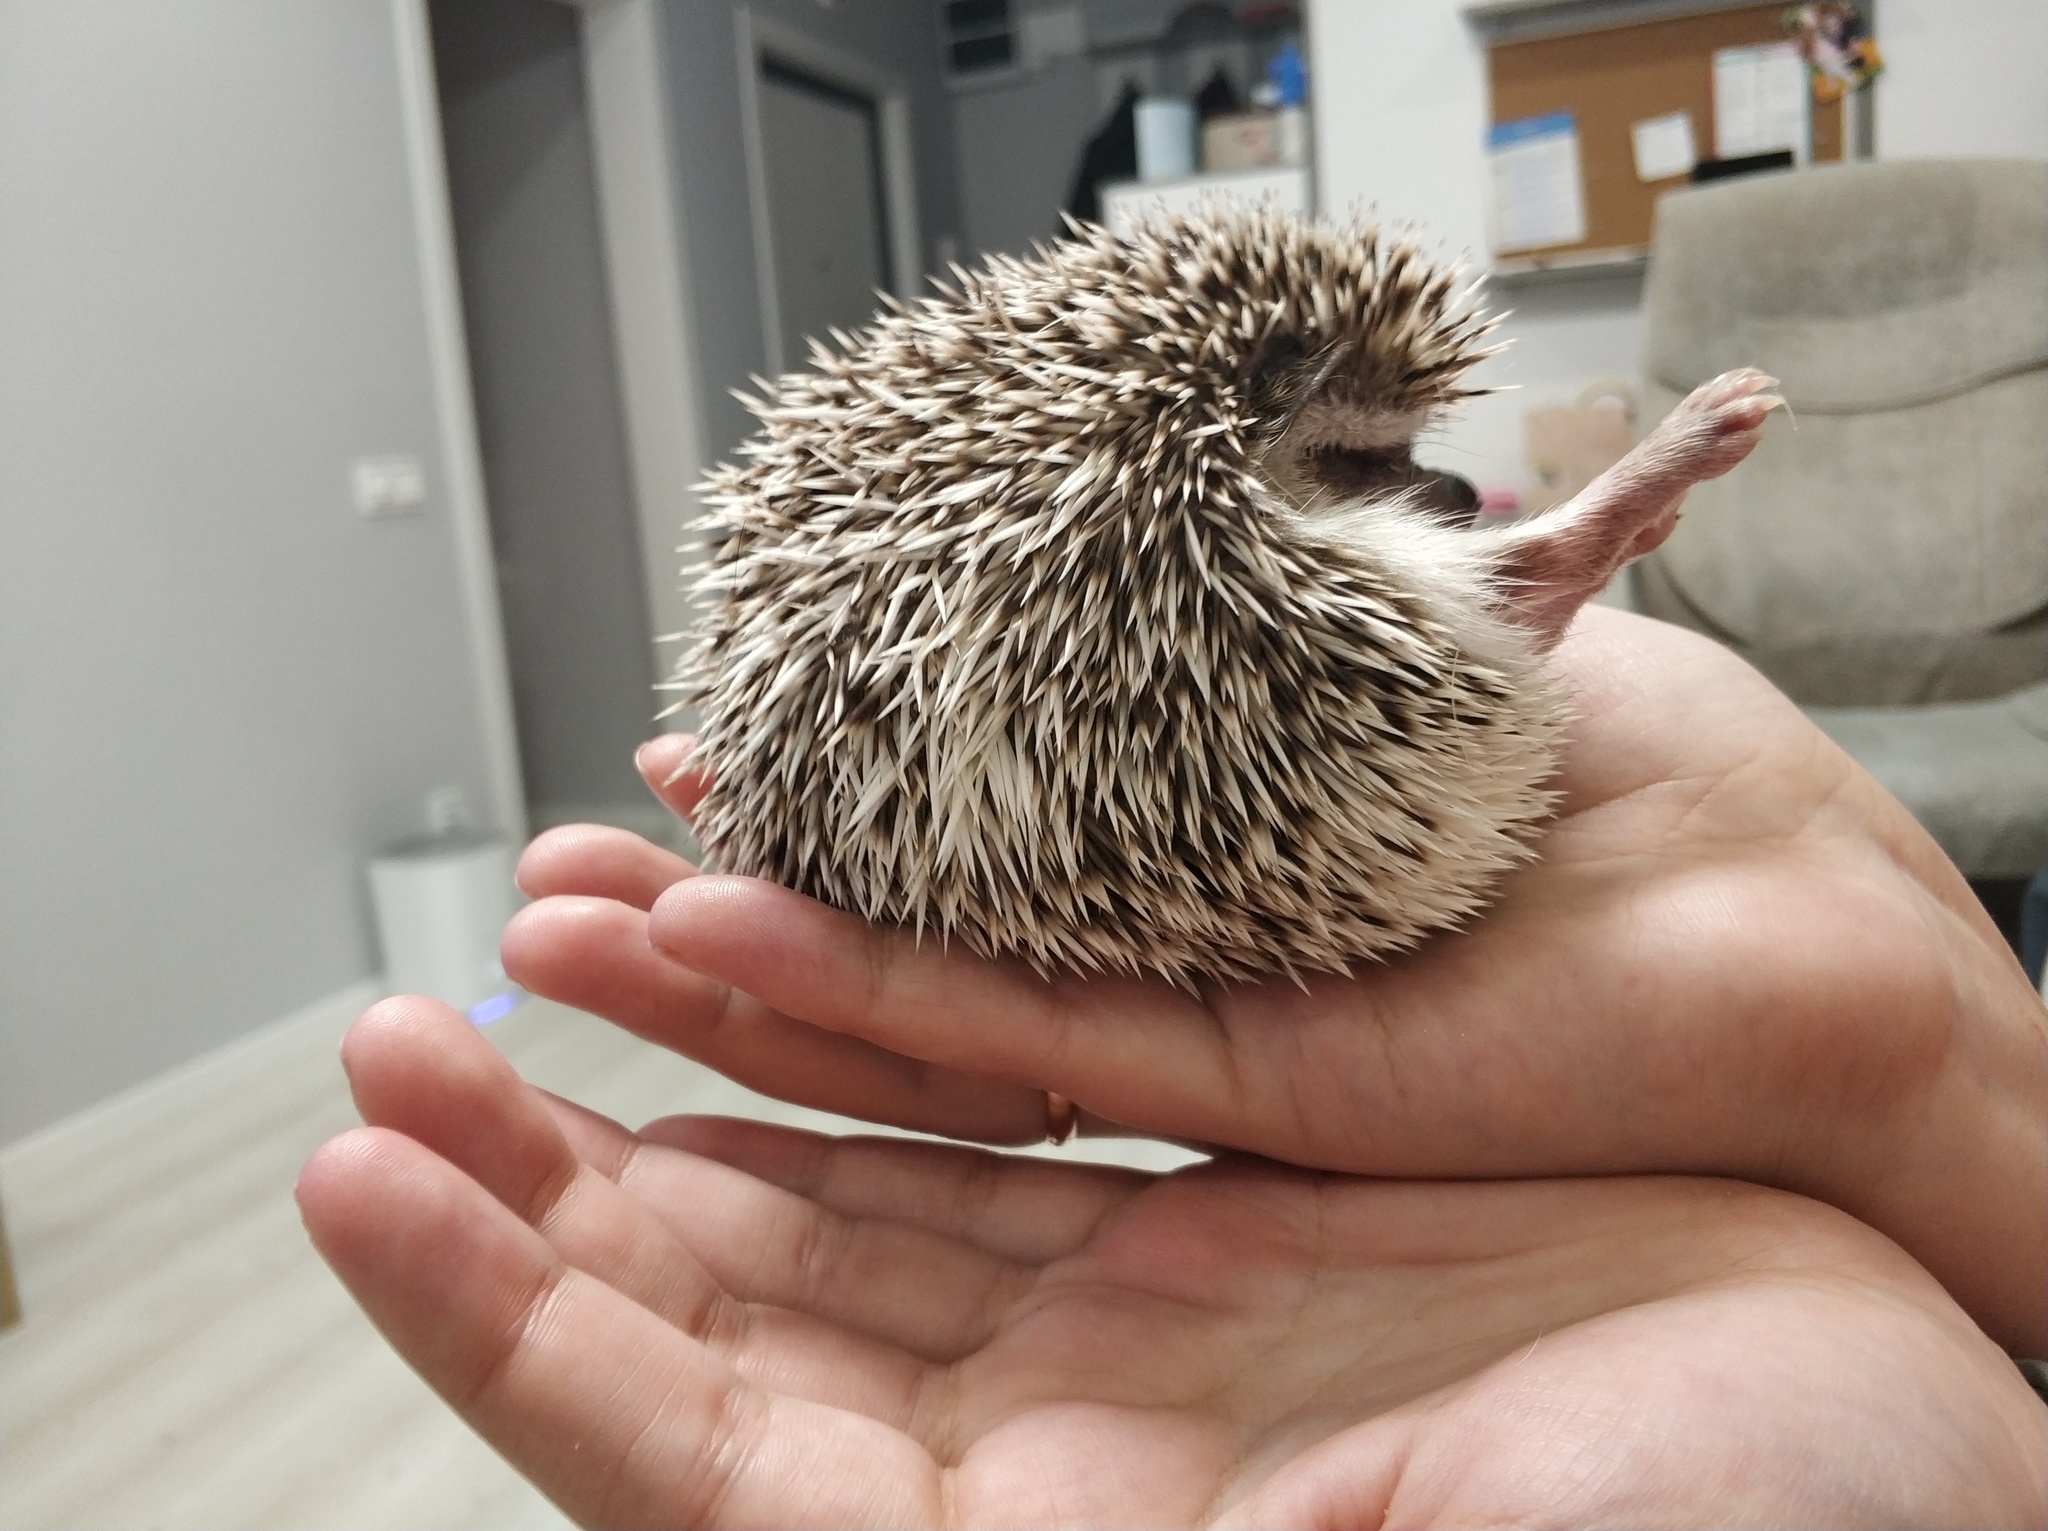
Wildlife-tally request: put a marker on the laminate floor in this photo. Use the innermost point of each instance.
(186, 1360)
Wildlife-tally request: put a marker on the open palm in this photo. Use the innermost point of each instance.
(721, 1323)
(1736, 956)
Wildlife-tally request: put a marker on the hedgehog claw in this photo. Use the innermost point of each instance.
(1552, 565)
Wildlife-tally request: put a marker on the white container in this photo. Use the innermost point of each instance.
(1166, 138)
(441, 906)
(1293, 136)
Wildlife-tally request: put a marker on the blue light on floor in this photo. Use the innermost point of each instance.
(496, 1007)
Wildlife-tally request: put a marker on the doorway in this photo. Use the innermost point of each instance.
(544, 375)
(831, 183)
(821, 153)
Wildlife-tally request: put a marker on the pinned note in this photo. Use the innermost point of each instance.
(1761, 102)
(1539, 196)
(1664, 146)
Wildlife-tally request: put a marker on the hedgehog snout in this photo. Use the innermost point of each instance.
(1337, 454)
(1348, 475)
(1332, 437)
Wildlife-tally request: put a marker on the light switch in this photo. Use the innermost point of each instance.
(388, 486)
(448, 811)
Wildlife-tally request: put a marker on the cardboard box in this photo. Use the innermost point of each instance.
(1570, 447)
(1242, 141)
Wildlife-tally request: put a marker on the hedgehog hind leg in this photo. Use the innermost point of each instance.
(1552, 565)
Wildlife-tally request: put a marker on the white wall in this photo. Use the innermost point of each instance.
(220, 689)
(1962, 79)
(1398, 93)
(1020, 146)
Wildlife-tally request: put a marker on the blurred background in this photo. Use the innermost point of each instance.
(357, 358)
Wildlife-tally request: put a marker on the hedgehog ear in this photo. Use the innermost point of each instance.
(1280, 378)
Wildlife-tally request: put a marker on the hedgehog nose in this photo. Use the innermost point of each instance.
(1450, 497)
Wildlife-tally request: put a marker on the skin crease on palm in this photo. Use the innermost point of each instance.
(1736, 956)
(727, 1324)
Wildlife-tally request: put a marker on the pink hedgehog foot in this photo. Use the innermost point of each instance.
(1553, 565)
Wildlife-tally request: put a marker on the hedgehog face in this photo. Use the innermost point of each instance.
(1337, 453)
(1335, 440)
(1096, 614)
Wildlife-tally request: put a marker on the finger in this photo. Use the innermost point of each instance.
(594, 955)
(903, 1281)
(597, 861)
(1317, 1075)
(418, 1069)
(664, 764)
(604, 1145)
(619, 1418)
(922, 1186)
(1127, 1050)
(934, 1296)
(1015, 1208)
(596, 1139)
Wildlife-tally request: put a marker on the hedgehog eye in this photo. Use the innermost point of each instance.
(1276, 364)
(1276, 380)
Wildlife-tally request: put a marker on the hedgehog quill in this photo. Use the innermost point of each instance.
(1094, 612)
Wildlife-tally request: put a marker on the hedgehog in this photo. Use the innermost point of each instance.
(1093, 611)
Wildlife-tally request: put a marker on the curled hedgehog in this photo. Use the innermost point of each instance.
(1094, 612)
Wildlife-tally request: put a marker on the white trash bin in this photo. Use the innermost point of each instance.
(442, 903)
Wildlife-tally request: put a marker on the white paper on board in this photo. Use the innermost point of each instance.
(1539, 196)
(1762, 102)
(1664, 146)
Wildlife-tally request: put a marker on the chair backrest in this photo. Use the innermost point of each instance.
(1889, 542)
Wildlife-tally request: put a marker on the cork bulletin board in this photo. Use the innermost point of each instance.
(1614, 77)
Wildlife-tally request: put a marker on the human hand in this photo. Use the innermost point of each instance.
(1737, 956)
(721, 1323)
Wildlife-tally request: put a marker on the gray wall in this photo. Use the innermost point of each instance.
(221, 689)
(900, 37)
(1019, 137)
(1020, 144)
(549, 417)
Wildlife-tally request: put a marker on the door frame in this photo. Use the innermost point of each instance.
(462, 465)
(761, 38)
(648, 279)
(647, 268)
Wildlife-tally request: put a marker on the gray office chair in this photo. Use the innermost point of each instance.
(1883, 555)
